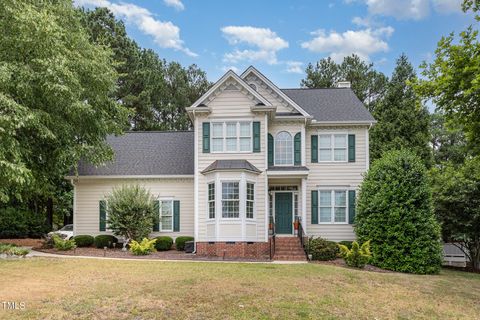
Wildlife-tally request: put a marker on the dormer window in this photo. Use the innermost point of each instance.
(284, 149)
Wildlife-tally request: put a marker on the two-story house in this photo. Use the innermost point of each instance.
(259, 161)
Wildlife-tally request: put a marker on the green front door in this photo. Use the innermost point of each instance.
(283, 212)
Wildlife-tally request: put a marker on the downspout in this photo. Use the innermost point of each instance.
(195, 187)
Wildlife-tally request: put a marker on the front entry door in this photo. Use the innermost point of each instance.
(283, 212)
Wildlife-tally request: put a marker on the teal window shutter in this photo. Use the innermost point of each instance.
(351, 148)
(314, 207)
(314, 146)
(297, 149)
(206, 137)
(176, 215)
(156, 218)
(270, 150)
(256, 136)
(102, 205)
(351, 206)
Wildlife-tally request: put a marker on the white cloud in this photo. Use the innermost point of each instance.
(177, 4)
(264, 41)
(339, 45)
(233, 68)
(164, 33)
(294, 67)
(361, 22)
(410, 9)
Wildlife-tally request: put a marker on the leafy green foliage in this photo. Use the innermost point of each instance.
(130, 212)
(452, 82)
(142, 248)
(83, 240)
(403, 122)
(164, 243)
(457, 205)
(356, 256)
(180, 242)
(62, 244)
(448, 142)
(55, 97)
(395, 212)
(347, 244)
(20, 223)
(13, 250)
(367, 83)
(104, 240)
(322, 249)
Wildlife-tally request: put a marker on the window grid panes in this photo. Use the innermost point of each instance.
(250, 200)
(332, 147)
(333, 206)
(211, 200)
(283, 149)
(230, 200)
(231, 136)
(166, 215)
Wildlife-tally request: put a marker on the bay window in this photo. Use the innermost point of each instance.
(211, 200)
(250, 199)
(230, 200)
(230, 196)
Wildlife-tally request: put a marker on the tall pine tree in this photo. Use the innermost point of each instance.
(403, 122)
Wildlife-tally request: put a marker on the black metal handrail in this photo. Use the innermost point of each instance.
(303, 237)
(272, 238)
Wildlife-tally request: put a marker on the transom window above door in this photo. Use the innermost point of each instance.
(231, 136)
(284, 149)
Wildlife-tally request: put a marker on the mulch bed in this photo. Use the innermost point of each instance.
(24, 242)
(341, 263)
(118, 253)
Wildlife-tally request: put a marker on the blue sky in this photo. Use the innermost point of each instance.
(281, 37)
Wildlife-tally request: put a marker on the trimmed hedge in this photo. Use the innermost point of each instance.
(83, 240)
(180, 242)
(104, 240)
(164, 243)
(322, 249)
(20, 223)
(395, 212)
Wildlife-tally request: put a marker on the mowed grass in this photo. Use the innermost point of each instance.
(112, 289)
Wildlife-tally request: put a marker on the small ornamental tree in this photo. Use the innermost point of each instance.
(130, 211)
(395, 212)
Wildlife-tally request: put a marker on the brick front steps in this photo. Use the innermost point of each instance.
(289, 248)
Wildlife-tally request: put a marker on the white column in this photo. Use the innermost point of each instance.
(304, 204)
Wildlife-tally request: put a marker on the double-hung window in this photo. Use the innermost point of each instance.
(211, 200)
(332, 147)
(231, 136)
(166, 215)
(333, 206)
(250, 200)
(230, 200)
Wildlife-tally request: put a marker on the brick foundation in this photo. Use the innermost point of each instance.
(250, 250)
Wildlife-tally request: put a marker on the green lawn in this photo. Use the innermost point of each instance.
(109, 289)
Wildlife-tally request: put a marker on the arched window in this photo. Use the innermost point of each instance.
(283, 149)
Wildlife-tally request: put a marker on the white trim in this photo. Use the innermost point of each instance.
(367, 150)
(279, 173)
(195, 186)
(171, 176)
(315, 123)
(224, 78)
(304, 204)
(259, 75)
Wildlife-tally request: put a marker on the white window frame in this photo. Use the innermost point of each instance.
(332, 146)
(238, 200)
(275, 150)
(160, 215)
(247, 200)
(211, 200)
(333, 205)
(238, 136)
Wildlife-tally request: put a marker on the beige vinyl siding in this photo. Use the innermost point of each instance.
(345, 175)
(88, 192)
(231, 105)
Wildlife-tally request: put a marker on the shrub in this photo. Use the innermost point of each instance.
(395, 212)
(180, 242)
(104, 240)
(131, 212)
(13, 250)
(20, 223)
(83, 240)
(322, 249)
(63, 244)
(142, 248)
(347, 244)
(163, 243)
(358, 256)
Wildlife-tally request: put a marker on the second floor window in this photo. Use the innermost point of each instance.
(231, 136)
(283, 149)
(332, 147)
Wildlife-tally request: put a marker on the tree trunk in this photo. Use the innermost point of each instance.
(50, 212)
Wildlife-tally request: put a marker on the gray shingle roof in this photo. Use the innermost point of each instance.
(332, 104)
(231, 165)
(147, 153)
